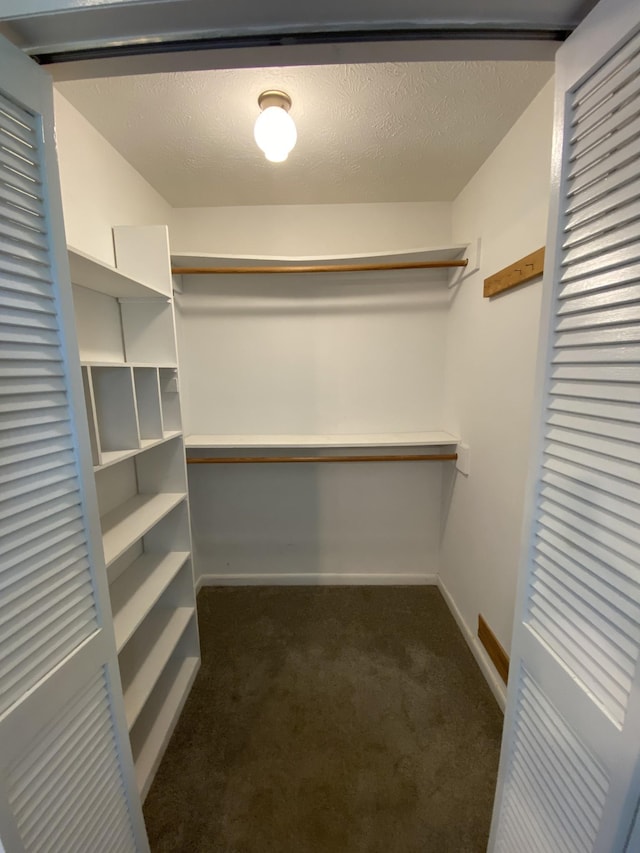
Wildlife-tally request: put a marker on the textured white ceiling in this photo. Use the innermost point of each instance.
(366, 133)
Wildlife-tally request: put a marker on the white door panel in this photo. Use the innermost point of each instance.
(65, 761)
(568, 777)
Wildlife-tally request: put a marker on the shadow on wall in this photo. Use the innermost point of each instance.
(332, 523)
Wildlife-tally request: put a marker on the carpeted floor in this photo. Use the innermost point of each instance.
(329, 720)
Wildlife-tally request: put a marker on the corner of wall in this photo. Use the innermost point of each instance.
(490, 375)
(100, 188)
(310, 230)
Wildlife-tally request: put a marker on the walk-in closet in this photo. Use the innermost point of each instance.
(319, 440)
(325, 367)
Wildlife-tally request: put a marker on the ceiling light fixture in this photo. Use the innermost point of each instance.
(275, 131)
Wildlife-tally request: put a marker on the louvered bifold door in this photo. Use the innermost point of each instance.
(66, 778)
(569, 775)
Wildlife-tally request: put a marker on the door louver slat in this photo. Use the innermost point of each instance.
(616, 188)
(602, 80)
(604, 130)
(69, 777)
(591, 467)
(36, 449)
(11, 176)
(24, 202)
(595, 408)
(602, 222)
(28, 506)
(10, 142)
(606, 156)
(15, 121)
(555, 793)
(20, 165)
(596, 245)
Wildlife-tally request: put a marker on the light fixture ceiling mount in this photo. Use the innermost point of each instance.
(274, 98)
(275, 131)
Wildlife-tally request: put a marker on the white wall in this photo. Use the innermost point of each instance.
(310, 230)
(376, 522)
(99, 188)
(312, 354)
(336, 354)
(491, 357)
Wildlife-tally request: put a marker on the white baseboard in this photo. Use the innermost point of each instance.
(317, 579)
(496, 684)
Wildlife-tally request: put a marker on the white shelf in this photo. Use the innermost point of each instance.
(177, 680)
(130, 521)
(93, 274)
(163, 365)
(455, 251)
(398, 439)
(112, 457)
(146, 443)
(159, 636)
(137, 589)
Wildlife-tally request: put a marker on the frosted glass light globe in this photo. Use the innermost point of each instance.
(275, 133)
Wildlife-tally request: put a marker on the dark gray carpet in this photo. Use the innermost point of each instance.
(329, 720)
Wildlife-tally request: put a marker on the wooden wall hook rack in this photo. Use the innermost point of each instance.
(517, 273)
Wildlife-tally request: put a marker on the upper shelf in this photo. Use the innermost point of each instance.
(198, 261)
(89, 272)
(398, 439)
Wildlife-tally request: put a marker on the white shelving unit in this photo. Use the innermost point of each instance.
(126, 333)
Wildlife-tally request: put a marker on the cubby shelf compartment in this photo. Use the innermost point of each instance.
(149, 745)
(137, 589)
(147, 391)
(129, 522)
(147, 654)
(398, 439)
(114, 456)
(93, 274)
(115, 408)
(169, 399)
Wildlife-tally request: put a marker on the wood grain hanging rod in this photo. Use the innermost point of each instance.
(241, 460)
(299, 268)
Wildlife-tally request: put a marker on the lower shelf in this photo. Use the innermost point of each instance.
(148, 747)
(134, 593)
(147, 655)
(130, 521)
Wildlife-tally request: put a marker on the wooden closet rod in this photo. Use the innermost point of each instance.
(407, 457)
(299, 268)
